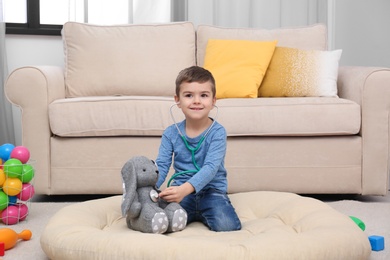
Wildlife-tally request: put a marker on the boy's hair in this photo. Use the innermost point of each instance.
(195, 74)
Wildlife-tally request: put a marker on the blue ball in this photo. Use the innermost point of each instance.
(5, 151)
(12, 200)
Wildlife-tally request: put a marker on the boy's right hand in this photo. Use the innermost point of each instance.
(177, 193)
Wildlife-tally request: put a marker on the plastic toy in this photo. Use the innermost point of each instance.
(141, 205)
(27, 173)
(2, 176)
(12, 200)
(12, 186)
(377, 243)
(23, 211)
(2, 249)
(13, 168)
(21, 153)
(9, 237)
(4, 200)
(16, 188)
(359, 222)
(27, 192)
(10, 216)
(5, 151)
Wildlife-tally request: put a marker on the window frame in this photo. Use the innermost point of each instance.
(33, 26)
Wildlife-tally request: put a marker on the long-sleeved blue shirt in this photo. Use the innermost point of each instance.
(210, 158)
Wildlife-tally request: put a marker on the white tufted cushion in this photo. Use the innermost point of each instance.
(275, 225)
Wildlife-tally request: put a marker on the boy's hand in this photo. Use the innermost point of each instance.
(176, 193)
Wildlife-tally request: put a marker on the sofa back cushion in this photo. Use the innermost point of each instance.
(126, 59)
(312, 37)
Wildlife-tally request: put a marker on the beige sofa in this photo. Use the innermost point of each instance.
(112, 99)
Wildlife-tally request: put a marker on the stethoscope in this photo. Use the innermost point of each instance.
(193, 150)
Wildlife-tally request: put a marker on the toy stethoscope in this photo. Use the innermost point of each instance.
(191, 149)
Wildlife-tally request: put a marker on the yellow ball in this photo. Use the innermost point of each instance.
(2, 177)
(12, 186)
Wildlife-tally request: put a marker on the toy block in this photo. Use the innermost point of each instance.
(377, 243)
(2, 248)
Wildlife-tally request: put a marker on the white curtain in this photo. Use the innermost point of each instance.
(6, 122)
(251, 13)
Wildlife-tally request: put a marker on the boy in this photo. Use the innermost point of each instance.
(200, 185)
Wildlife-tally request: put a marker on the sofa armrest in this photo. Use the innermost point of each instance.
(32, 89)
(370, 88)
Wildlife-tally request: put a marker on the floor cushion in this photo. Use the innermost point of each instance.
(275, 225)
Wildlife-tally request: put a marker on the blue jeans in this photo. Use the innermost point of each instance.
(213, 208)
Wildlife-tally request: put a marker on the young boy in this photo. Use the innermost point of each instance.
(197, 146)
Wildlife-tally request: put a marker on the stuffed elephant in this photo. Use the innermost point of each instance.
(141, 205)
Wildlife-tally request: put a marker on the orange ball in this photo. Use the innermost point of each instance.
(12, 186)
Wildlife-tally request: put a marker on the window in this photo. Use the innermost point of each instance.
(46, 17)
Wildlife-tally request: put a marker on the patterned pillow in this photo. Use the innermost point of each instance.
(301, 73)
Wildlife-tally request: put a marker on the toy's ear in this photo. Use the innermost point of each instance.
(129, 178)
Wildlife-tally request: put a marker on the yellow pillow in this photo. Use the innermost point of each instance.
(238, 66)
(301, 73)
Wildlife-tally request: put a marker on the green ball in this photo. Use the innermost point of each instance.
(3, 200)
(13, 168)
(27, 173)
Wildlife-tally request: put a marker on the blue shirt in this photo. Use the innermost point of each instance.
(209, 157)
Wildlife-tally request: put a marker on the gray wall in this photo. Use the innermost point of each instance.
(362, 30)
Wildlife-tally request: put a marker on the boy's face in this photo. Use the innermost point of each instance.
(195, 99)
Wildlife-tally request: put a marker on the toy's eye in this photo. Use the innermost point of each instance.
(144, 170)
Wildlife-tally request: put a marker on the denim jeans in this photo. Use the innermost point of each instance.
(213, 208)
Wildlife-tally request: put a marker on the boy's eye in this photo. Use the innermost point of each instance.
(188, 95)
(205, 95)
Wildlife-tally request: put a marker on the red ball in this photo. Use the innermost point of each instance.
(21, 153)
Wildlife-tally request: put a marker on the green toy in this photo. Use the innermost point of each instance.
(358, 222)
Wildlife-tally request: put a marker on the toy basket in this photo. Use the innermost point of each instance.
(17, 190)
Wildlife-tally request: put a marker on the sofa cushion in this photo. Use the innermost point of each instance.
(301, 73)
(310, 116)
(312, 37)
(149, 116)
(238, 66)
(126, 59)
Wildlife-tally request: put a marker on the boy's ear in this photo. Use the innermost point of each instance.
(177, 100)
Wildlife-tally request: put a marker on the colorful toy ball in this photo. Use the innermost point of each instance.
(13, 168)
(5, 151)
(3, 200)
(27, 192)
(23, 211)
(2, 177)
(10, 216)
(27, 173)
(21, 153)
(12, 200)
(12, 186)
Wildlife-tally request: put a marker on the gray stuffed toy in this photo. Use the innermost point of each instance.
(141, 205)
